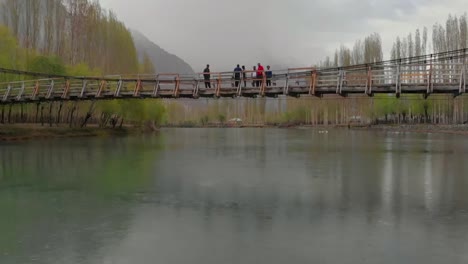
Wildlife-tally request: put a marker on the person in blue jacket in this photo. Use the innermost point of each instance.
(269, 76)
(237, 74)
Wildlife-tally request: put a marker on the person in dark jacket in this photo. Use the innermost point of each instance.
(237, 75)
(269, 76)
(207, 76)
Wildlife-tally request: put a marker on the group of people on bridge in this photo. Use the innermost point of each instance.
(257, 75)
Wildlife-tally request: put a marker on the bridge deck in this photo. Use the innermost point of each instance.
(447, 78)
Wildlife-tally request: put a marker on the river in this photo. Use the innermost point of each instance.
(209, 196)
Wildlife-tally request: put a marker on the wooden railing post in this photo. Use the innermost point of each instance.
(7, 93)
(101, 88)
(369, 81)
(263, 87)
(136, 92)
(430, 86)
(119, 88)
(339, 85)
(50, 90)
(398, 82)
(156, 87)
(286, 85)
(196, 88)
(36, 91)
(313, 83)
(218, 86)
(461, 90)
(20, 94)
(241, 81)
(66, 90)
(83, 88)
(177, 86)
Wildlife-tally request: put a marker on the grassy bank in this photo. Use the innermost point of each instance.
(421, 128)
(19, 132)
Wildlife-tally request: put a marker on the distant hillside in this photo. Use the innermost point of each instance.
(161, 59)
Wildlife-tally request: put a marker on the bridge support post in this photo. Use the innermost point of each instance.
(398, 82)
(89, 114)
(339, 84)
(51, 105)
(263, 87)
(369, 81)
(59, 113)
(9, 113)
(462, 89)
(430, 82)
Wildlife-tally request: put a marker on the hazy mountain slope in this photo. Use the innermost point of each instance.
(162, 60)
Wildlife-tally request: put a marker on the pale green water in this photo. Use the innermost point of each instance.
(209, 196)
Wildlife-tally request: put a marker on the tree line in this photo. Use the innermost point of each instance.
(79, 37)
(77, 31)
(70, 37)
(451, 36)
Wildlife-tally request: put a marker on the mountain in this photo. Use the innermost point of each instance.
(162, 60)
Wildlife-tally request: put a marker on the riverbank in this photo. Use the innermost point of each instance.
(412, 128)
(419, 128)
(21, 132)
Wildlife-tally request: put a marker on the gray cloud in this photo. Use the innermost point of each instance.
(287, 32)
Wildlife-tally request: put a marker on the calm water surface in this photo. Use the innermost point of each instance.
(209, 196)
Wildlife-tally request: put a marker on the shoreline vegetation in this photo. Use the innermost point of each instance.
(80, 38)
(26, 132)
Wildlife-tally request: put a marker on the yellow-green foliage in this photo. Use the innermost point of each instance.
(47, 64)
(135, 110)
(82, 69)
(95, 43)
(10, 55)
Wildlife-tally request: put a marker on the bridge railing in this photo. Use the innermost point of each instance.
(444, 73)
(425, 77)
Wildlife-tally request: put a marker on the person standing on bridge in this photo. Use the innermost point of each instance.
(237, 75)
(207, 76)
(260, 72)
(254, 76)
(269, 76)
(244, 75)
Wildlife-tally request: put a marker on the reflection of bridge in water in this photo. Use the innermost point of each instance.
(443, 73)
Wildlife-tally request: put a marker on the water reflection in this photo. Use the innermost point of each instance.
(60, 201)
(238, 196)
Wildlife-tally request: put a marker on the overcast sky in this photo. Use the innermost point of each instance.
(277, 32)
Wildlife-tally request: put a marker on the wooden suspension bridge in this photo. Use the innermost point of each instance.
(443, 73)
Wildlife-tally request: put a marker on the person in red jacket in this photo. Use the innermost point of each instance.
(260, 72)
